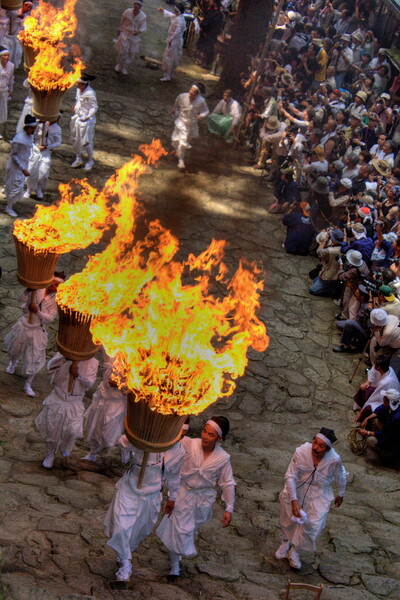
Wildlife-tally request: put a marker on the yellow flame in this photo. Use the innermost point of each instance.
(179, 331)
(80, 218)
(48, 24)
(47, 30)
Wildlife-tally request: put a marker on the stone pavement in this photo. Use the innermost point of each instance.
(53, 547)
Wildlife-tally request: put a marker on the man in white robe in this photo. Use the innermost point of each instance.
(104, 419)
(47, 137)
(60, 422)
(133, 511)
(6, 82)
(17, 164)
(173, 50)
(28, 336)
(133, 23)
(83, 122)
(307, 495)
(10, 40)
(189, 109)
(205, 465)
(225, 117)
(381, 376)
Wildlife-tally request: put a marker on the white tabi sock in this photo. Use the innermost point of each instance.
(175, 563)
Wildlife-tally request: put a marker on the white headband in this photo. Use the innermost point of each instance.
(215, 426)
(185, 427)
(197, 88)
(5, 51)
(326, 440)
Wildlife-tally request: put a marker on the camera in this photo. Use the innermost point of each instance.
(339, 48)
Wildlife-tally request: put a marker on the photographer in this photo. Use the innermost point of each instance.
(354, 272)
(355, 332)
(383, 250)
(342, 58)
(355, 238)
(327, 281)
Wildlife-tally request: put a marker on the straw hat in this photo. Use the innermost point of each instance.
(362, 95)
(272, 124)
(382, 166)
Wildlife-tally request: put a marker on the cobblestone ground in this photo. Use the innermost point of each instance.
(51, 535)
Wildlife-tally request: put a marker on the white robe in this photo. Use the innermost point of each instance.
(61, 420)
(186, 123)
(10, 40)
(133, 512)
(127, 44)
(40, 160)
(28, 104)
(104, 419)
(197, 494)
(84, 119)
(6, 88)
(29, 340)
(173, 50)
(21, 146)
(380, 382)
(312, 488)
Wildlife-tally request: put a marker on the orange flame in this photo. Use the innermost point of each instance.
(56, 68)
(57, 64)
(179, 331)
(80, 220)
(49, 24)
(74, 222)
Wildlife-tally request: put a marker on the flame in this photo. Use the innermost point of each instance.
(56, 68)
(79, 220)
(58, 64)
(49, 24)
(179, 331)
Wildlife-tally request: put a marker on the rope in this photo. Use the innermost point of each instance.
(357, 443)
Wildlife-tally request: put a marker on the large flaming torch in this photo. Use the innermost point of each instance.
(53, 64)
(179, 330)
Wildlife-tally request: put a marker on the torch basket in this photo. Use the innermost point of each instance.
(29, 56)
(46, 103)
(149, 430)
(11, 4)
(35, 267)
(74, 339)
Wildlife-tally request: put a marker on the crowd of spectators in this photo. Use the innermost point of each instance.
(323, 127)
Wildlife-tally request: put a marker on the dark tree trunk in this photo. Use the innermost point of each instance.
(249, 32)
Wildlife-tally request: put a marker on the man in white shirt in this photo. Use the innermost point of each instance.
(225, 116)
(133, 23)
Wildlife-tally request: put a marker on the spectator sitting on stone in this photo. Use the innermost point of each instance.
(386, 333)
(355, 332)
(300, 230)
(354, 271)
(382, 427)
(380, 377)
(286, 192)
(327, 283)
